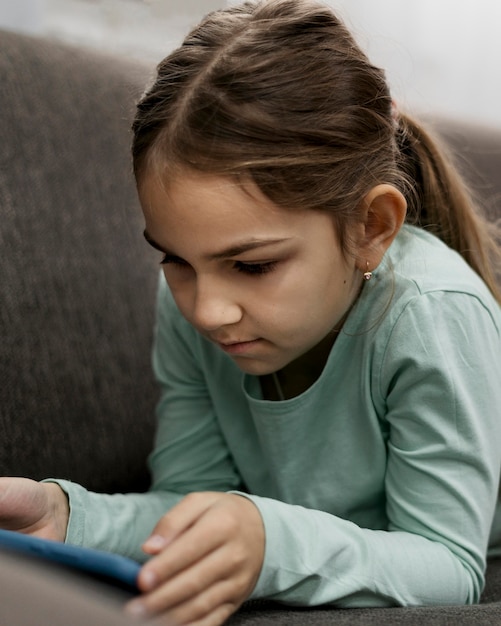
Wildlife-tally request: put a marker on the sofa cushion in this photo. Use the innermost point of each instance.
(78, 281)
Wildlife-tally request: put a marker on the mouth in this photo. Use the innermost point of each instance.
(237, 347)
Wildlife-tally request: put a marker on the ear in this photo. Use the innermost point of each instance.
(383, 213)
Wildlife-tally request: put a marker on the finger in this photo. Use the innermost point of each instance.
(191, 582)
(25, 506)
(209, 609)
(178, 519)
(230, 564)
(186, 550)
(195, 608)
(217, 525)
(217, 617)
(21, 501)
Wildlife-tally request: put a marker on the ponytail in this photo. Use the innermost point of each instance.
(441, 203)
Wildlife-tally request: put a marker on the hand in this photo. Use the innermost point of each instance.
(33, 508)
(210, 550)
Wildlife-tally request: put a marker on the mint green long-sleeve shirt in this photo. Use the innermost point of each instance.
(377, 485)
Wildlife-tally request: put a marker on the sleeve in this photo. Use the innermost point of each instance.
(438, 379)
(189, 454)
(190, 451)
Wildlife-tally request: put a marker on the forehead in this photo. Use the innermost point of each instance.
(203, 214)
(209, 199)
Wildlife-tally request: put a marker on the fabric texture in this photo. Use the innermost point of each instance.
(75, 366)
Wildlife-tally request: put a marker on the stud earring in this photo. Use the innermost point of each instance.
(367, 273)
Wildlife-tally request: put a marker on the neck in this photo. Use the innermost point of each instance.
(298, 376)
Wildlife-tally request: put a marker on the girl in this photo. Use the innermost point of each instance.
(328, 341)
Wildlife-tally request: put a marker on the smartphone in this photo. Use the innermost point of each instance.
(113, 568)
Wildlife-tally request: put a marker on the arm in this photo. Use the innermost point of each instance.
(189, 453)
(438, 400)
(440, 393)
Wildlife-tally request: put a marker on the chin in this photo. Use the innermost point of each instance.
(254, 367)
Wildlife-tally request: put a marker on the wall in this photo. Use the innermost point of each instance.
(440, 55)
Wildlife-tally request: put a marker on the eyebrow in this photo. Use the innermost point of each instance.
(227, 252)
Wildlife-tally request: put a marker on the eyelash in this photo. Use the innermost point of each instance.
(251, 269)
(254, 269)
(167, 259)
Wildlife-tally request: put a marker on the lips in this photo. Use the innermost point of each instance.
(238, 347)
(226, 344)
(226, 341)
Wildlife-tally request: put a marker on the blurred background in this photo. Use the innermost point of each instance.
(441, 56)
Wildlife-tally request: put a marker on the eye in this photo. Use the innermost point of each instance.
(169, 259)
(255, 268)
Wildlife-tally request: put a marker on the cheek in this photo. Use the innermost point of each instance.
(331, 298)
(289, 306)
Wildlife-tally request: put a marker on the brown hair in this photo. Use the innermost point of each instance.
(277, 91)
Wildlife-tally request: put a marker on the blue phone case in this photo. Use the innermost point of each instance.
(105, 565)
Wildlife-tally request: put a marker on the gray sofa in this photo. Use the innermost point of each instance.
(78, 289)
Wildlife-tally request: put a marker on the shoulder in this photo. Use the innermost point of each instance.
(424, 274)
(426, 302)
(418, 256)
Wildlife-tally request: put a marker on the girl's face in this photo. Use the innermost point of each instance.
(265, 284)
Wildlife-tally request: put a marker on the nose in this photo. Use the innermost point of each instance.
(214, 307)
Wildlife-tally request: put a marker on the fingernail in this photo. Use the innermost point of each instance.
(148, 579)
(135, 609)
(155, 542)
